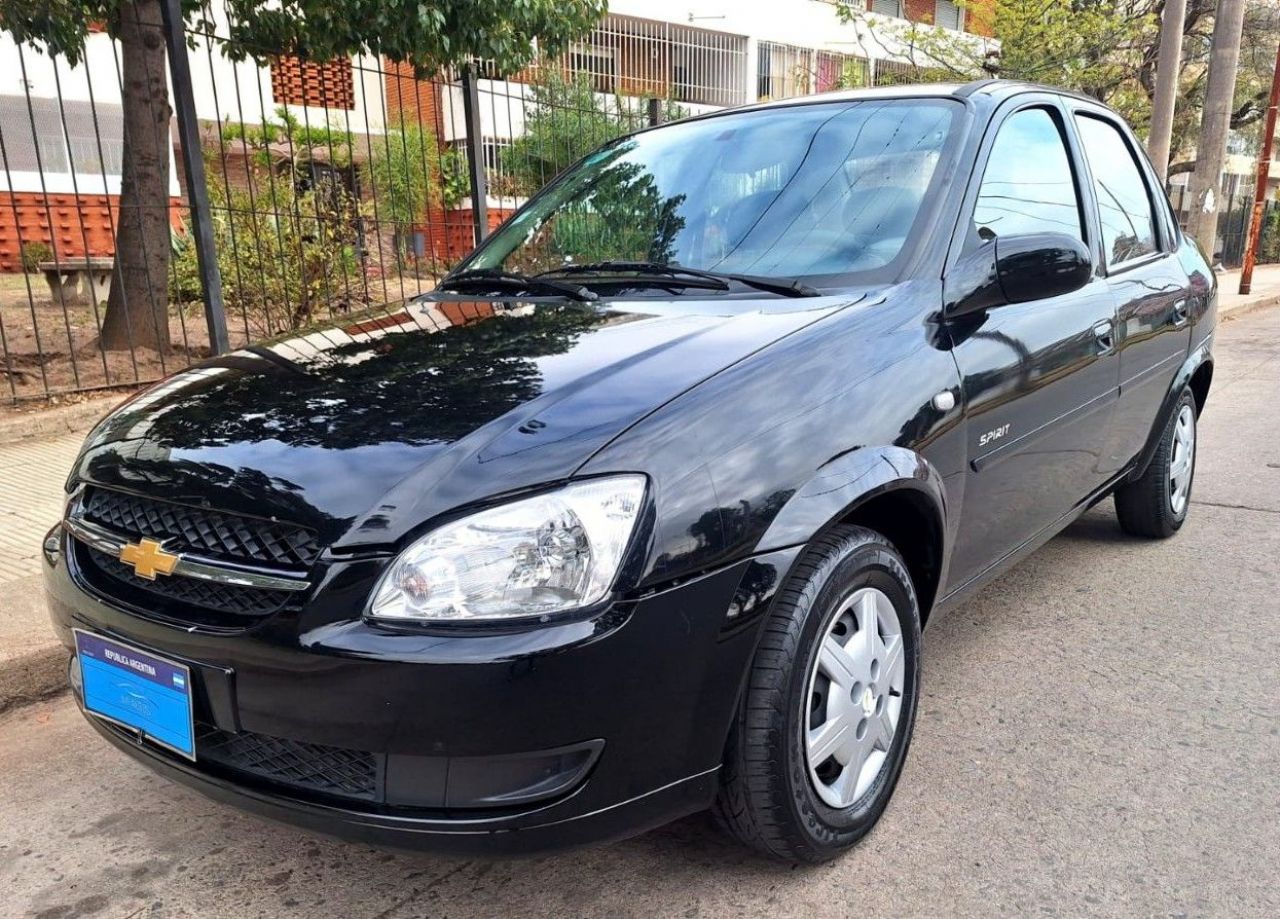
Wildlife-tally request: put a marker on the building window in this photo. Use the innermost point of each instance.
(646, 58)
(598, 64)
(491, 152)
(330, 84)
(840, 71)
(887, 8)
(71, 137)
(948, 15)
(783, 71)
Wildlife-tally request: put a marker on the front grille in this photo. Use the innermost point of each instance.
(313, 767)
(212, 534)
(224, 598)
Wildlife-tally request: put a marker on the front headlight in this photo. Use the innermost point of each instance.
(534, 557)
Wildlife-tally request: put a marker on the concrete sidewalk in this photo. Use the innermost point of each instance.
(33, 467)
(32, 472)
(1264, 290)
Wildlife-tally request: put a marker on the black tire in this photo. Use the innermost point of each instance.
(1146, 506)
(767, 798)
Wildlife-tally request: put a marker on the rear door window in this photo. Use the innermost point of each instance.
(1124, 200)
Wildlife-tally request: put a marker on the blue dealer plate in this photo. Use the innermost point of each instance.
(138, 690)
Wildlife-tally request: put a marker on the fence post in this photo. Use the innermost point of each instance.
(184, 105)
(655, 112)
(475, 152)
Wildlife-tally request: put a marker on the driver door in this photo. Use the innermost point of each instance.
(1040, 379)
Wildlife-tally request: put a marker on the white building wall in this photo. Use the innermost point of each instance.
(26, 72)
(242, 92)
(223, 91)
(811, 24)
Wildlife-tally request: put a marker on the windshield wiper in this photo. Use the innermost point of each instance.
(511, 280)
(788, 287)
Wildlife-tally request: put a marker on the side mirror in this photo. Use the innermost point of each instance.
(1017, 269)
(1041, 265)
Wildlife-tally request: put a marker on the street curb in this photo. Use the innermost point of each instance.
(33, 662)
(76, 418)
(33, 675)
(1244, 308)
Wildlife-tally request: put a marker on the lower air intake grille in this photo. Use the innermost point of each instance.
(331, 770)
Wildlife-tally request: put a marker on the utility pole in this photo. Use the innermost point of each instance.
(1215, 120)
(1167, 66)
(1260, 190)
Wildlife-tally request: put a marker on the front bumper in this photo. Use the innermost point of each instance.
(622, 716)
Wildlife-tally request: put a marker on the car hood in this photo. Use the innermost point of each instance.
(366, 429)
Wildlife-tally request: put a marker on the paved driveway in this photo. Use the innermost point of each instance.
(1099, 733)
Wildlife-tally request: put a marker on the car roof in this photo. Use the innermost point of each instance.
(988, 87)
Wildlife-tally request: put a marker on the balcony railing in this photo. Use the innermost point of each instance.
(646, 58)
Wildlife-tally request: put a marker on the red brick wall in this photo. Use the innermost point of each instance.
(977, 16)
(66, 224)
(449, 234)
(410, 99)
(330, 84)
(919, 10)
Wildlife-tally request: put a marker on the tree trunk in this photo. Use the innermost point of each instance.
(1215, 119)
(1168, 66)
(138, 306)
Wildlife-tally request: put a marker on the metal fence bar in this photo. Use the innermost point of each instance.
(475, 154)
(197, 187)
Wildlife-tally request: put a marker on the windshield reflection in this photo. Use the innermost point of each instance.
(814, 191)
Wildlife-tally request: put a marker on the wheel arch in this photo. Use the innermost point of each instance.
(891, 490)
(906, 517)
(1197, 374)
(1200, 382)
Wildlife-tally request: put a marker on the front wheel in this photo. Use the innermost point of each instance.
(823, 729)
(1156, 504)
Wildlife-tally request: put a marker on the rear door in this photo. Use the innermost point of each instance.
(1150, 286)
(1040, 378)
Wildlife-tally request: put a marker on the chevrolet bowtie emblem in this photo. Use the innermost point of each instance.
(148, 558)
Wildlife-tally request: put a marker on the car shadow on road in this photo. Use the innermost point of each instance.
(1098, 526)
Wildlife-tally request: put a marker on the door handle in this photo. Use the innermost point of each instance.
(1181, 309)
(1104, 335)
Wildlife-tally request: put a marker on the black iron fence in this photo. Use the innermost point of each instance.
(1235, 211)
(287, 192)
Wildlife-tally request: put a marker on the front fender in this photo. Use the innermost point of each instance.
(840, 486)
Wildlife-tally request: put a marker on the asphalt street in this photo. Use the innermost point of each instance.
(1099, 734)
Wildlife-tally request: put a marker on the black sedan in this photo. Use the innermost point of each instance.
(643, 510)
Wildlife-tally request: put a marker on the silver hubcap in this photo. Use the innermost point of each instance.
(1184, 459)
(855, 697)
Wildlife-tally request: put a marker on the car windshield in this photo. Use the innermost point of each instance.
(814, 191)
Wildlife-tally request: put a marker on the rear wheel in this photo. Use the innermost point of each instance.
(1156, 504)
(830, 705)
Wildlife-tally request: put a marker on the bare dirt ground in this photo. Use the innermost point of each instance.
(49, 353)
